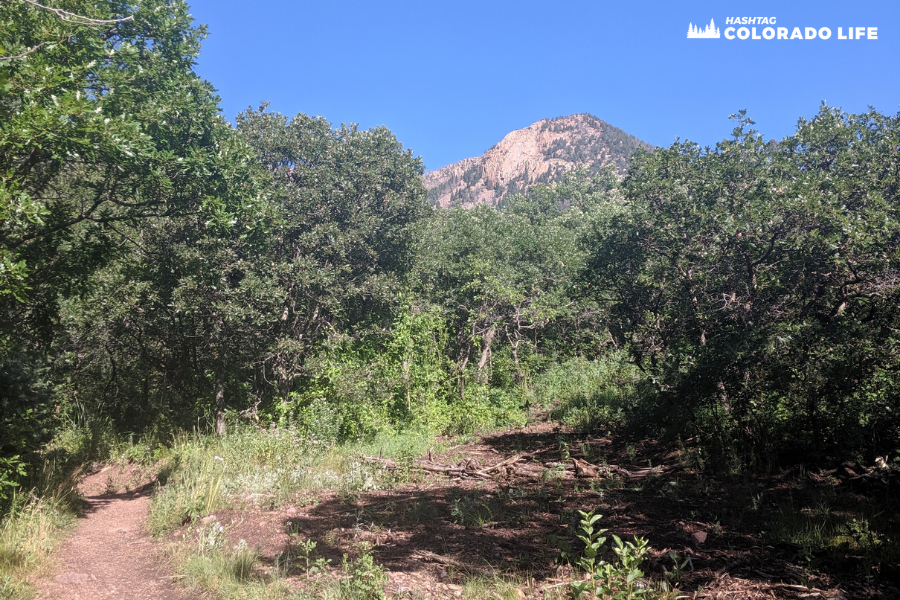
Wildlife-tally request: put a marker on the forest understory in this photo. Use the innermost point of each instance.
(496, 515)
(675, 380)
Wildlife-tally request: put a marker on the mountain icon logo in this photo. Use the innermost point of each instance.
(711, 31)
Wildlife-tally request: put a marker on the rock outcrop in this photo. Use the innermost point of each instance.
(540, 153)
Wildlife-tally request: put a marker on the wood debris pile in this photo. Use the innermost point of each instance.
(524, 465)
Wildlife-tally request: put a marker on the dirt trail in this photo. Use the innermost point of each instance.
(110, 555)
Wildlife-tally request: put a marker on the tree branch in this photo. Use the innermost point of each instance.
(24, 54)
(77, 19)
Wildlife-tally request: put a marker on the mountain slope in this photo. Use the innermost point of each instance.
(540, 153)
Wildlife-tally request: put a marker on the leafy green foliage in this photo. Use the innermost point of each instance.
(222, 311)
(341, 235)
(12, 468)
(756, 284)
(304, 550)
(160, 269)
(364, 578)
(504, 281)
(621, 581)
(104, 127)
(593, 395)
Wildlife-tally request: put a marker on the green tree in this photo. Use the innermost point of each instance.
(756, 284)
(345, 205)
(103, 126)
(207, 314)
(103, 122)
(506, 278)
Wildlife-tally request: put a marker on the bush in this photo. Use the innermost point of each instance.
(756, 283)
(592, 395)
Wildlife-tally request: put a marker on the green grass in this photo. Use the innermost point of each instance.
(588, 395)
(481, 587)
(253, 466)
(28, 534)
(235, 572)
(228, 572)
(267, 467)
(864, 541)
(35, 521)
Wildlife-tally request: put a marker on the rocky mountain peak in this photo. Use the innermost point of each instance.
(540, 153)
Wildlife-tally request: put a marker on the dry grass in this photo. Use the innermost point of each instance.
(28, 535)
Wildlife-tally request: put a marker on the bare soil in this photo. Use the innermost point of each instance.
(433, 534)
(500, 507)
(110, 555)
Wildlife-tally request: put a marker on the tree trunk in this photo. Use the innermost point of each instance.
(284, 390)
(220, 401)
(485, 355)
(520, 375)
(406, 367)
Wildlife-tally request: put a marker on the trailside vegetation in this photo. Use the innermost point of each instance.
(297, 275)
(106, 136)
(162, 270)
(282, 288)
(757, 285)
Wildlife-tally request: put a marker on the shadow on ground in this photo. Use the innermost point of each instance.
(517, 522)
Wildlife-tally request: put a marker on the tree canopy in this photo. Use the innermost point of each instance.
(161, 268)
(757, 284)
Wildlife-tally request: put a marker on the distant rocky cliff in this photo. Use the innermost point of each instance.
(540, 153)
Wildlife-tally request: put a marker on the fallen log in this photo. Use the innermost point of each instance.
(469, 469)
(506, 463)
(385, 463)
(449, 561)
(584, 469)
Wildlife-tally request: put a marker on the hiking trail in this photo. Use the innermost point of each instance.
(110, 555)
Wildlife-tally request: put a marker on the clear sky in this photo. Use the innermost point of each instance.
(450, 79)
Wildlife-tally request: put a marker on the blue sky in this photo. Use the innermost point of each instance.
(450, 79)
